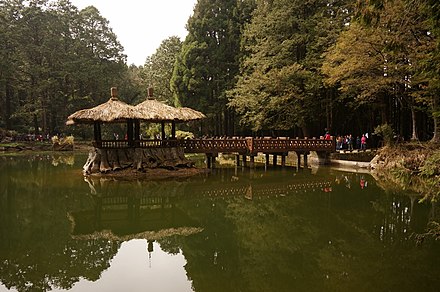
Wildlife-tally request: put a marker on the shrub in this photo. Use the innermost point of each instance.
(184, 135)
(386, 132)
(431, 167)
(69, 140)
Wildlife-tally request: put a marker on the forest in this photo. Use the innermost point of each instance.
(255, 67)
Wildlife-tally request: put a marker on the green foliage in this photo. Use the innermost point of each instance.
(151, 131)
(382, 59)
(158, 70)
(54, 60)
(209, 60)
(184, 135)
(280, 86)
(271, 65)
(69, 140)
(386, 132)
(431, 166)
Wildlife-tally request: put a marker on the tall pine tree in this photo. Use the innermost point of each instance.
(208, 63)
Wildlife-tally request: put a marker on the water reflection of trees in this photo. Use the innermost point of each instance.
(283, 244)
(274, 231)
(42, 268)
(37, 252)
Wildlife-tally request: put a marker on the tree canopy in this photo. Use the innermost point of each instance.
(252, 66)
(55, 59)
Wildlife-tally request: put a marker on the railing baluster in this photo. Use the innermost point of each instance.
(225, 145)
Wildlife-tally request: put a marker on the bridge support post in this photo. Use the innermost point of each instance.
(305, 159)
(208, 160)
(252, 161)
(244, 159)
(275, 158)
(213, 159)
(283, 160)
(237, 159)
(266, 161)
(298, 160)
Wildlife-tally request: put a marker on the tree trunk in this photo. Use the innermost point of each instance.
(8, 109)
(329, 108)
(305, 131)
(414, 136)
(36, 127)
(226, 122)
(436, 117)
(44, 116)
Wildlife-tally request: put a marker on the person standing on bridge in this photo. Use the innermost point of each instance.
(350, 142)
(358, 142)
(363, 142)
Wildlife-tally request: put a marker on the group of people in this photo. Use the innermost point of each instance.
(347, 142)
(33, 137)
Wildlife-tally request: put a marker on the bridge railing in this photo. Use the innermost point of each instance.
(248, 145)
(218, 145)
(284, 144)
(287, 144)
(118, 144)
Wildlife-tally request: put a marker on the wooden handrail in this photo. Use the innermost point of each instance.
(248, 145)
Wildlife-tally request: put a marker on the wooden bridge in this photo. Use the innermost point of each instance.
(248, 146)
(252, 146)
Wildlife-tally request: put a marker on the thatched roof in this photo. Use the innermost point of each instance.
(189, 114)
(150, 110)
(153, 110)
(156, 111)
(113, 110)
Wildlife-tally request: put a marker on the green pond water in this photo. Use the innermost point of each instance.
(233, 229)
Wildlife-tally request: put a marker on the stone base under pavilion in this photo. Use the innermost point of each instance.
(109, 160)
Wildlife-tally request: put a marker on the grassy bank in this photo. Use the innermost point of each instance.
(413, 166)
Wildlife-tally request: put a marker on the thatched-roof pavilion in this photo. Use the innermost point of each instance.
(150, 110)
(113, 154)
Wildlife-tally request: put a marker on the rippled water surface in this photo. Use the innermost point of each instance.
(231, 230)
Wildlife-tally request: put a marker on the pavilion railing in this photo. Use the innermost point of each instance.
(248, 145)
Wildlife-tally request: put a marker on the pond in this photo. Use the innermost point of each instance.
(234, 229)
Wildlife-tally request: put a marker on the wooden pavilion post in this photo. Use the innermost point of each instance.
(130, 139)
(97, 132)
(137, 132)
(163, 130)
(173, 130)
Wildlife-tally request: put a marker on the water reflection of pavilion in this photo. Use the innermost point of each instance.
(132, 214)
(150, 206)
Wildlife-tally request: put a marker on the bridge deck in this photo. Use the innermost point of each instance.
(227, 145)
